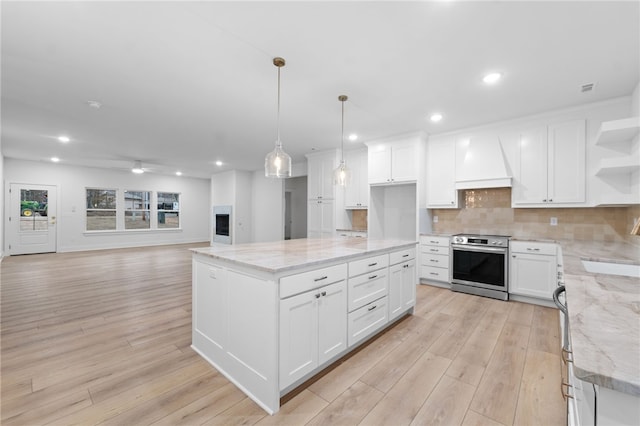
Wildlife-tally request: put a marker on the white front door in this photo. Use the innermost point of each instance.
(32, 219)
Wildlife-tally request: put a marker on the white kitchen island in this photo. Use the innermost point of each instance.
(271, 315)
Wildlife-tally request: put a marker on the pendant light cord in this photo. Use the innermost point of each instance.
(278, 116)
(342, 141)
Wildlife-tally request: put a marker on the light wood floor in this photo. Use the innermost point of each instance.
(103, 337)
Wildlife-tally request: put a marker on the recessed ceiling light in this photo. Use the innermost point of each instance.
(353, 137)
(178, 173)
(94, 104)
(435, 117)
(218, 163)
(137, 167)
(492, 77)
(64, 139)
(55, 159)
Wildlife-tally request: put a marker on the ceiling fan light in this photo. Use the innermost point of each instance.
(137, 167)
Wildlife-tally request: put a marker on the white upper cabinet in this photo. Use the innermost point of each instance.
(320, 168)
(551, 169)
(356, 193)
(393, 162)
(441, 173)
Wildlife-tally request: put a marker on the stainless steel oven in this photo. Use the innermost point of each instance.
(480, 265)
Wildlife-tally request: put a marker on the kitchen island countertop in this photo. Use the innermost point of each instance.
(288, 255)
(604, 315)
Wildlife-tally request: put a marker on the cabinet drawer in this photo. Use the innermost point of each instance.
(533, 248)
(435, 260)
(367, 288)
(367, 320)
(402, 256)
(435, 241)
(369, 264)
(299, 283)
(432, 273)
(434, 250)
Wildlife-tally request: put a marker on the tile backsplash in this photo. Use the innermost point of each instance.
(359, 219)
(488, 211)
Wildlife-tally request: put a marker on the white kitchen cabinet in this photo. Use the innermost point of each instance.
(320, 168)
(434, 258)
(533, 269)
(356, 193)
(402, 284)
(320, 219)
(313, 329)
(551, 166)
(393, 162)
(441, 174)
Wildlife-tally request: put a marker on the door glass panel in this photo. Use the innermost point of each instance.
(33, 210)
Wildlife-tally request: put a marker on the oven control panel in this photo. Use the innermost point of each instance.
(481, 240)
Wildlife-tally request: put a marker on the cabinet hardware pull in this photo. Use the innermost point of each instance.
(544, 201)
(405, 266)
(565, 395)
(324, 293)
(550, 200)
(373, 264)
(373, 276)
(433, 249)
(433, 242)
(372, 308)
(321, 278)
(532, 249)
(318, 296)
(567, 356)
(405, 255)
(433, 273)
(434, 260)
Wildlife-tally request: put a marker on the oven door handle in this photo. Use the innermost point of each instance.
(479, 249)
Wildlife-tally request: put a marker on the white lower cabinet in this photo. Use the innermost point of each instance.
(367, 320)
(533, 269)
(313, 329)
(402, 283)
(434, 258)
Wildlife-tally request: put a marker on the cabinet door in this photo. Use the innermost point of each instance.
(441, 174)
(327, 227)
(298, 336)
(533, 275)
(531, 185)
(396, 273)
(332, 321)
(409, 281)
(379, 164)
(404, 162)
(567, 160)
(357, 193)
(320, 175)
(314, 218)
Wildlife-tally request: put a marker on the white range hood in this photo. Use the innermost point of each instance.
(484, 165)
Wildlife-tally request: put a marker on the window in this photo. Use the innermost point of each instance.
(168, 210)
(101, 209)
(137, 213)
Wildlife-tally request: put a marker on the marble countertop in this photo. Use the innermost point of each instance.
(283, 256)
(352, 229)
(604, 315)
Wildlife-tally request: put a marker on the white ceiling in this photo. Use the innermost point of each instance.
(183, 84)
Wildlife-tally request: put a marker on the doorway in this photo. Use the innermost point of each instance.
(32, 219)
(295, 209)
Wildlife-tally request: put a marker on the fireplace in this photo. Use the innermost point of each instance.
(222, 224)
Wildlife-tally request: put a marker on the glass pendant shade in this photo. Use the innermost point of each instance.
(277, 163)
(342, 175)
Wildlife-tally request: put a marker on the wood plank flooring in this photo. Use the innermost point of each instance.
(104, 337)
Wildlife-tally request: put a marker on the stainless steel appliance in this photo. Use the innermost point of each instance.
(480, 265)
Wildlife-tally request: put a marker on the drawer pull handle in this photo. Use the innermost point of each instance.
(405, 255)
(373, 276)
(372, 308)
(321, 278)
(433, 242)
(373, 264)
(318, 296)
(434, 260)
(405, 266)
(433, 273)
(532, 249)
(562, 387)
(324, 293)
(434, 250)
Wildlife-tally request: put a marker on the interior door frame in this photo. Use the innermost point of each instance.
(7, 214)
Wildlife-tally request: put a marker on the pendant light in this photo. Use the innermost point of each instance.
(342, 175)
(277, 163)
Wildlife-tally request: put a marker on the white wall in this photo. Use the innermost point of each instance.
(72, 181)
(268, 208)
(635, 102)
